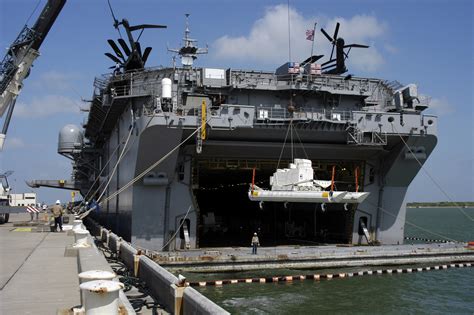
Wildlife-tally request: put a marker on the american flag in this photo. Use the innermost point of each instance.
(310, 35)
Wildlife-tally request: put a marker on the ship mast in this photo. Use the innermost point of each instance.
(189, 51)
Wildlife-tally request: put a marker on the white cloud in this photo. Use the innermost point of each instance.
(391, 49)
(46, 106)
(441, 106)
(12, 143)
(267, 41)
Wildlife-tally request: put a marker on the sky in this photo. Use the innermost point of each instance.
(429, 43)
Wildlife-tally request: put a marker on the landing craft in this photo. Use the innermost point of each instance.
(296, 184)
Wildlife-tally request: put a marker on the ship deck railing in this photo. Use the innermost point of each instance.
(268, 114)
(326, 82)
(271, 113)
(139, 82)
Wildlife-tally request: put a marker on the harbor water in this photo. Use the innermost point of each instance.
(434, 292)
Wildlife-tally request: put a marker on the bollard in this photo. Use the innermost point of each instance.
(80, 236)
(101, 297)
(92, 275)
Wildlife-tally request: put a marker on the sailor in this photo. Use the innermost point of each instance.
(117, 69)
(58, 212)
(255, 242)
(94, 206)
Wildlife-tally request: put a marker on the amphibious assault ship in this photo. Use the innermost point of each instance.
(169, 153)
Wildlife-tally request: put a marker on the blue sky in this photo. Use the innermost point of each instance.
(425, 42)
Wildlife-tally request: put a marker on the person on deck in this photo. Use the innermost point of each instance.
(58, 212)
(117, 68)
(255, 243)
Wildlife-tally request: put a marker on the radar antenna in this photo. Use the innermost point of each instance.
(188, 52)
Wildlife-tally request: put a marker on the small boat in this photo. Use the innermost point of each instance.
(296, 184)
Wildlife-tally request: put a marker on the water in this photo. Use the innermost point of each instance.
(434, 292)
(448, 222)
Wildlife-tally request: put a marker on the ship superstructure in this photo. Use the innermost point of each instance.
(205, 131)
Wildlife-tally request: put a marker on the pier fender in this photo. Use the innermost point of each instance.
(136, 262)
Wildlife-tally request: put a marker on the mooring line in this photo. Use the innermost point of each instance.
(326, 276)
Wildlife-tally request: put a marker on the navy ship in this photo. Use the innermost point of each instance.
(169, 154)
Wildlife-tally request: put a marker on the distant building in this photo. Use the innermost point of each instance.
(26, 199)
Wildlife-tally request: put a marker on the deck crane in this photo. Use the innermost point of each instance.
(14, 68)
(19, 58)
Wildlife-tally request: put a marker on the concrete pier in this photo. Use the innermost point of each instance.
(310, 257)
(35, 277)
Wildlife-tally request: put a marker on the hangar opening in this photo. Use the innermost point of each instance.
(227, 217)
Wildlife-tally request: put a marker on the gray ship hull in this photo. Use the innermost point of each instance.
(204, 179)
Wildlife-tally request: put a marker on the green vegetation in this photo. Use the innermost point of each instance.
(443, 204)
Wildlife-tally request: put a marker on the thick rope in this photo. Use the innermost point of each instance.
(151, 167)
(431, 177)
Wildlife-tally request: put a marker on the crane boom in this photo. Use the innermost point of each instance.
(19, 58)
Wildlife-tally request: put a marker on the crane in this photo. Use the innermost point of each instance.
(18, 60)
(14, 68)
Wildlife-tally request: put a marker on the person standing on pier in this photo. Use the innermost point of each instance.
(58, 212)
(255, 243)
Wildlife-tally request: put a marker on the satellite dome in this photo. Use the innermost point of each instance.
(70, 139)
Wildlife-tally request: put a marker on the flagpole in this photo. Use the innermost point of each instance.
(314, 35)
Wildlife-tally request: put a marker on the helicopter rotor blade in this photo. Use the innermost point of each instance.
(327, 35)
(113, 58)
(356, 46)
(328, 67)
(336, 31)
(311, 59)
(146, 53)
(116, 49)
(328, 62)
(139, 49)
(332, 50)
(124, 46)
(143, 26)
